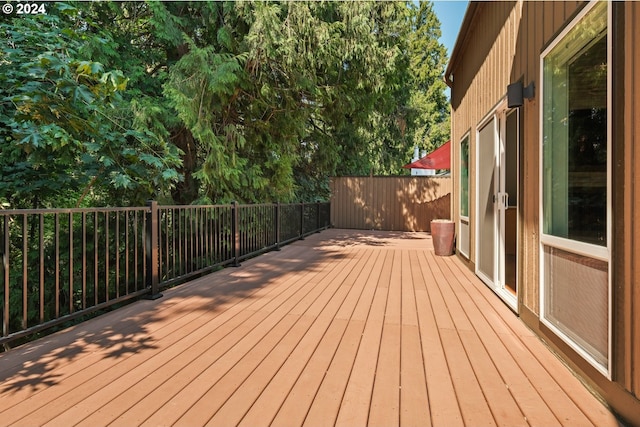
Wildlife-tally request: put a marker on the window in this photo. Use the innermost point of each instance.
(464, 177)
(576, 190)
(575, 133)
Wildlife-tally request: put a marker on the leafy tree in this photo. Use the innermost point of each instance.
(65, 133)
(215, 101)
(428, 107)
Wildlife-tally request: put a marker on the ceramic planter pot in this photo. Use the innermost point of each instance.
(443, 235)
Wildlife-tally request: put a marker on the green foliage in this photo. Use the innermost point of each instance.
(187, 102)
(428, 107)
(66, 134)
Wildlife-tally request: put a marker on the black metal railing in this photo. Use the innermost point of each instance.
(60, 264)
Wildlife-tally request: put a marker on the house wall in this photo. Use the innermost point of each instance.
(501, 43)
(481, 76)
(627, 272)
(406, 203)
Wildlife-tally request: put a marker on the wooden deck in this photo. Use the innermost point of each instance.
(344, 328)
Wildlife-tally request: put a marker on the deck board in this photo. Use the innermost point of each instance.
(344, 328)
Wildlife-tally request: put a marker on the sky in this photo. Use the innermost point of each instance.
(450, 14)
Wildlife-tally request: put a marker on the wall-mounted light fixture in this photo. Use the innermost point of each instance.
(516, 92)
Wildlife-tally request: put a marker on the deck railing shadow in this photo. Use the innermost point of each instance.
(60, 265)
(31, 368)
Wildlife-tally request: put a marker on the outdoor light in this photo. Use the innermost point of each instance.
(516, 92)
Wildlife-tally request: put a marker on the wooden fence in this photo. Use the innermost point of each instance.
(406, 203)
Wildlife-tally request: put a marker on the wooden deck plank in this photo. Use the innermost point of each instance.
(362, 309)
(344, 328)
(450, 295)
(177, 367)
(414, 401)
(504, 408)
(408, 301)
(393, 312)
(354, 408)
(296, 406)
(326, 404)
(104, 372)
(230, 380)
(471, 399)
(385, 400)
(80, 411)
(203, 383)
(94, 341)
(440, 311)
(416, 271)
(501, 403)
(443, 402)
(516, 381)
(161, 394)
(550, 379)
(265, 407)
(309, 381)
(234, 409)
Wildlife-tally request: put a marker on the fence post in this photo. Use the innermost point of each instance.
(317, 216)
(151, 246)
(278, 226)
(301, 220)
(235, 230)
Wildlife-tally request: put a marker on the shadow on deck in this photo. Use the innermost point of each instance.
(344, 328)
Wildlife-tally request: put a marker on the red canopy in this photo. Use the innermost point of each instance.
(440, 158)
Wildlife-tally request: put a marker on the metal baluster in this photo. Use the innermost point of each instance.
(25, 273)
(5, 264)
(57, 267)
(41, 287)
(106, 256)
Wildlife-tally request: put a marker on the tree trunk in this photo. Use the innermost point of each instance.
(186, 191)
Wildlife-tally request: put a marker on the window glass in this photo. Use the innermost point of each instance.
(464, 177)
(575, 133)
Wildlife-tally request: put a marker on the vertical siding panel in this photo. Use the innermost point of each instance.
(495, 63)
(634, 293)
(629, 193)
(558, 15)
(530, 224)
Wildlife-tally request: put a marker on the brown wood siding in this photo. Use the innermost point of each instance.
(503, 45)
(478, 84)
(631, 290)
(389, 203)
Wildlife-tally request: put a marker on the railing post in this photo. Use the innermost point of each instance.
(278, 226)
(317, 216)
(5, 267)
(327, 215)
(301, 220)
(235, 230)
(151, 244)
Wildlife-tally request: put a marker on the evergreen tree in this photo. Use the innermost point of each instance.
(194, 102)
(428, 109)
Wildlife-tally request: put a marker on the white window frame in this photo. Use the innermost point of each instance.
(594, 251)
(465, 218)
(466, 136)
